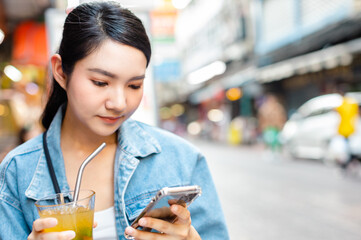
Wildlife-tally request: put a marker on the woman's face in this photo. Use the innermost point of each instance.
(106, 88)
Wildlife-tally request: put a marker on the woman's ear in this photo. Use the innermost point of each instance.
(57, 69)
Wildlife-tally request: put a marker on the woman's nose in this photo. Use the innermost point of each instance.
(116, 100)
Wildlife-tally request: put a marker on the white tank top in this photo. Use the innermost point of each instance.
(106, 229)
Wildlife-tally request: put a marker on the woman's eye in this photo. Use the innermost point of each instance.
(135, 86)
(99, 84)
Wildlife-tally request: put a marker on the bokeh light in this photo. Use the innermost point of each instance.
(194, 128)
(215, 115)
(234, 94)
(165, 113)
(3, 110)
(177, 110)
(13, 73)
(32, 88)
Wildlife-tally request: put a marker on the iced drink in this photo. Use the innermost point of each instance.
(76, 216)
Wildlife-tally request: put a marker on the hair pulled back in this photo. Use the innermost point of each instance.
(85, 28)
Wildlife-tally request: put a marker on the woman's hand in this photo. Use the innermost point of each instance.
(42, 223)
(181, 229)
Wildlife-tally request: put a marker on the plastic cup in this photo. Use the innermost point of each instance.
(77, 216)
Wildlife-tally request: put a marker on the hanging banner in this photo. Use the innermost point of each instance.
(30, 45)
(163, 25)
(167, 71)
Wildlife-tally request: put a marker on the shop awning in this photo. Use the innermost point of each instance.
(328, 58)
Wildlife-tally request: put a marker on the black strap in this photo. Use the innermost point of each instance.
(50, 165)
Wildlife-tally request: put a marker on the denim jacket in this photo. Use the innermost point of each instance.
(147, 159)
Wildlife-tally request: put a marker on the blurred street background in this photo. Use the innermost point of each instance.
(256, 85)
(282, 199)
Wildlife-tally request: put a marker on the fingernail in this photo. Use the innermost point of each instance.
(53, 221)
(129, 230)
(142, 221)
(69, 234)
(175, 208)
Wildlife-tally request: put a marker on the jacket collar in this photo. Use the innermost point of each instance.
(136, 141)
(132, 138)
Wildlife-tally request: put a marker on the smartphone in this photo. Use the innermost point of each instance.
(159, 206)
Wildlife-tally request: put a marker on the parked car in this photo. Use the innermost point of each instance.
(311, 132)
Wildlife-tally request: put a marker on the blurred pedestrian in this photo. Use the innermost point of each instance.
(97, 84)
(235, 131)
(271, 117)
(348, 112)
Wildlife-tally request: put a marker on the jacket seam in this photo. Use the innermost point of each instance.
(12, 158)
(3, 198)
(2, 177)
(140, 197)
(125, 151)
(122, 196)
(35, 148)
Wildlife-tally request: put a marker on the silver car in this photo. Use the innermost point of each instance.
(310, 130)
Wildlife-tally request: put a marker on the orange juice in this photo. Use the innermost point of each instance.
(76, 218)
(71, 215)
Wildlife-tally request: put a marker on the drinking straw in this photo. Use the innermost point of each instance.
(81, 169)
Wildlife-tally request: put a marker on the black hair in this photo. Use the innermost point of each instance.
(85, 29)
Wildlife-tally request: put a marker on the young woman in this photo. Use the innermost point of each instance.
(98, 79)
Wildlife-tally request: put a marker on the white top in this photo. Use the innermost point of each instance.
(106, 229)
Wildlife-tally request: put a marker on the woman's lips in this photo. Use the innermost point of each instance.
(110, 120)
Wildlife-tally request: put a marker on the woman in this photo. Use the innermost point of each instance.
(98, 80)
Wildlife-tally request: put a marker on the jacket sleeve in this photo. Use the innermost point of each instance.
(206, 212)
(12, 221)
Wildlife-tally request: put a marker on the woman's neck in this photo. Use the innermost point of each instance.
(74, 137)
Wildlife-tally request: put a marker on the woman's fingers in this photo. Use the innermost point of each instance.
(180, 229)
(95, 224)
(142, 235)
(157, 224)
(43, 223)
(66, 235)
(168, 230)
(183, 215)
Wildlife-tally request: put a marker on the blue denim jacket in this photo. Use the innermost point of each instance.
(147, 159)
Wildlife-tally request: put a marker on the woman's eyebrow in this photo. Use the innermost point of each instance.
(103, 72)
(112, 75)
(137, 78)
